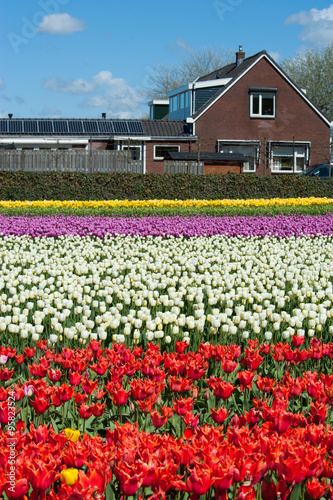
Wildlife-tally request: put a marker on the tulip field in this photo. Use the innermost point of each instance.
(166, 356)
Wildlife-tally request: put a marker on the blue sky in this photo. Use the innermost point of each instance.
(78, 58)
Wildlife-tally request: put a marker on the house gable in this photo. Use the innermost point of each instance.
(238, 73)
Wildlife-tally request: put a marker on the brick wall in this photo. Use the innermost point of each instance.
(229, 118)
(156, 166)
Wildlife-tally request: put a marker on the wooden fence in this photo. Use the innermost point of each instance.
(183, 167)
(60, 160)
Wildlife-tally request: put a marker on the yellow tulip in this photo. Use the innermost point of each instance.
(70, 476)
(72, 434)
(273, 202)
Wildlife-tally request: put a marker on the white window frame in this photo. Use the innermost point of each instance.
(261, 94)
(126, 147)
(166, 147)
(276, 166)
(246, 165)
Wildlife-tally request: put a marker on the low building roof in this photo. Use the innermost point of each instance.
(206, 156)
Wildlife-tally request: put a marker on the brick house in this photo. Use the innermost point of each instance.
(252, 107)
(249, 110)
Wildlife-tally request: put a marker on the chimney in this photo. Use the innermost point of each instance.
(240, 56)
(104, 115)
(10, 115)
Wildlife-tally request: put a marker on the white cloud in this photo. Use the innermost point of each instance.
(77, 87)
(51, 113)
(183, 45)
(60, 24)
(318, 25)
(113, 95)
(2, 81)
(118, 98)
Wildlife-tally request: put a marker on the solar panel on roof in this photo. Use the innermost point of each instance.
(106, 127)
(30, 126)
(120, 127)
(91, 127)
(15, 126)
(60, 126)
(135, 127)
(3, 126)
(45, 126)
(75, 126)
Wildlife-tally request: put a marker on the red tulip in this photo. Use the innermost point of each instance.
(98, 409)
(30, 352)
(41, 475)
(298, 340)
(182, 406)
(130, 478)
(80, 398)
(40, 404)
(228, 365)
(196, 370)
(6, 374)
(181, 384)
(245, 378)
(85, 411)
(54, 375)
(200, 480)
(64, 392)
(159, 420)
(74, 378)
(75, 455)
(315, 489)
(181, 346)
(318, 412)
(220, 388)
(19, 490)
(19, 359)
(39, 369)
(88, 386)
(220, 415)
(100, 367)
(42, 345)
(4, 413)
(118, 395)
(3, 394)
(142, 388)
(99, 394)
(265, 384)
(146, 406)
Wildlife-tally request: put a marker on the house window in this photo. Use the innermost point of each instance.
(135, 152)
(289, 158)
(175, 102)
(161, 151)
(262, 104)
(249, 150)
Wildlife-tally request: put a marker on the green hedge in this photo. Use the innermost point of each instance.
(70, 186)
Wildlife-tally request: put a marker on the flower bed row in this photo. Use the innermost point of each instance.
(242, 463)
(280, 226)
(133, 289)
(234, 421)
(258, 202)
(94, 383)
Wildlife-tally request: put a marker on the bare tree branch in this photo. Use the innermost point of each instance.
(313, 71)
(196, 64)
